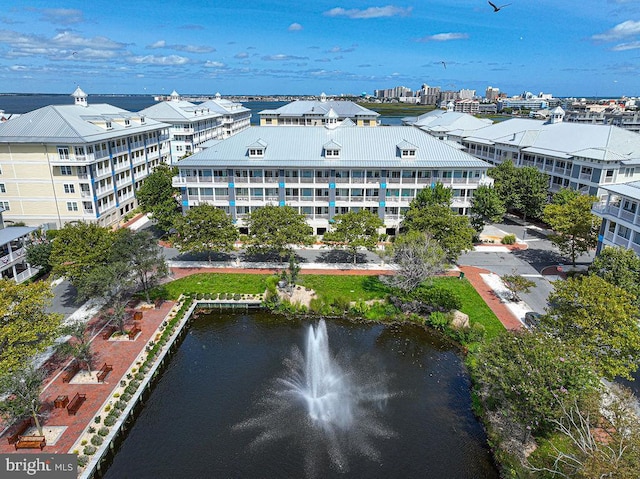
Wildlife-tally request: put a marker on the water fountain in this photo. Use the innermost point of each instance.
(330, 405)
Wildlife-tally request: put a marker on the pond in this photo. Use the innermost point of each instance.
(223, 408)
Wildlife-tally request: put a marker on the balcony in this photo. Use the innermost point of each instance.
(585, 176)
(621, 241)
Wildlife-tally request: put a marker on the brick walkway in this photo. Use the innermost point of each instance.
(119, 354)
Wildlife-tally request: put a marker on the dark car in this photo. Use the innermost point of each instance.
(531, 319)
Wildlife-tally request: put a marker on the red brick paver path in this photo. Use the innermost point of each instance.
(120, 354)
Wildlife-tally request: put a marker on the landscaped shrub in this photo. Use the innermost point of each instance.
(508, 239)
(438, 320)
(438, 298)
(89, 450)
(130, 389)
(109, 421)
(97, 419)
(82, 461)
(237, 297)
(139, 376)
(341, 304)
(207, 295)
(96, 440)
(199, 296)
(91, 429)
(103, 431)
(125, 397)
(120, 405)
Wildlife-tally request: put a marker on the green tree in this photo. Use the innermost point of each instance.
(20, 391)
(275, 229)
(527, 376)
(433, 195)
(205, 228)
(156, 195)
(564, 195)
(505, 184)
(27, 328)
(354, 230)
(39, 253)
(452, 231)
(79, 345)
(532, 187)
(486, 207)
(620, 267)
(517, 284)
(575, 228)
(417, 257)
(79, 247)
(145, 258)
(600, 318)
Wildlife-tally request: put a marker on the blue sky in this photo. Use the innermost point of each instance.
(563, 47)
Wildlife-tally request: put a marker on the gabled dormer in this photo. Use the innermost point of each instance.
(407, 150)
(331, 149)
(257, 149)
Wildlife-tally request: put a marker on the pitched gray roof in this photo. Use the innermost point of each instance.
(178, 111)
(344, 109)
(11, 233)
(224, 107)
(598, 142)
(73, 124)
(630, 190)
(293, 146)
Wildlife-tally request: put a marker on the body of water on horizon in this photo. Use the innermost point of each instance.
(23, 103)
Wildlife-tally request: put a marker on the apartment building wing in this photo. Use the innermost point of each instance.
(441, 123)
(191, 124)
(79, 162)
(322, 172)
(13, 251)
(235, 117)
(620, 213)
(318, 113)
(578, 156)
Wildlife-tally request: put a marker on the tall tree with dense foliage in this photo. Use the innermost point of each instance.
(437, 194)
(417, 257)
(354, 230)
(145, 258)
(204, 229)
(79, 247)
(602, 319)
(27, 328)
(79, 345)
(486, 207)
(526, 376)
(275, 229)
(505, 182)
(575, 228)
(532, 191)
(156, 195)
(20, 392)
(620, 267)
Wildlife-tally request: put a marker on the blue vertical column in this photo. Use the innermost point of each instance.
(232, 195)
(332, 195)
(92, 185)
(382, 194)
(282, 199)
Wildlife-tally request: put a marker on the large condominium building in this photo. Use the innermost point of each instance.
(442, 124)
(318, 113)
(620, 213)
(190, 124)
(79, 162)
(235, 117)
(322, 172)
(576, 156)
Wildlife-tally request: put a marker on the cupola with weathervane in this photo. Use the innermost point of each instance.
(80, 97)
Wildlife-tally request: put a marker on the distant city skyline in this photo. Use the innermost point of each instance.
(338, 47)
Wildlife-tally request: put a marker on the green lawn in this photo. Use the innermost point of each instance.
(472, 304)
(213, 283)
(351, 288)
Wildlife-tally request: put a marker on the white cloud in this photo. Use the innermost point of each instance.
(158, 44)
(159, 60)
(626, 46)
(211, 64)
(62, 16)
(295, 27)
(182, 48)
(444, 37)
(621, 30)
(371, 12)
(241, 55)
(282, 58)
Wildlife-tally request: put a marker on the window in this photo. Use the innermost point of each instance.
(3, 189)
(629, 172)
(72, 206)
(5, 205)
(256, 152)
(108, 125)
(63, 153)
(69, 188)
(408, 153)
(65, 171)
(127, 122)
(329, 153)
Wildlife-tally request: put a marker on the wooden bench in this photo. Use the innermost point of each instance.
(134, 332)
(71, 372)
(75, 403)
(108, 331)
(104, 372)
(31, 442)
(22, 427)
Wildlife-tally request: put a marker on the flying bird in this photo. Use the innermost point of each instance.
(444, 65)
(496, 8)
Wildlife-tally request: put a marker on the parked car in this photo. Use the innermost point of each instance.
(532, 319)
